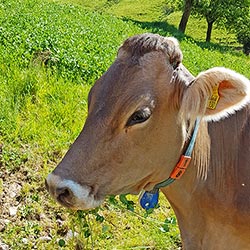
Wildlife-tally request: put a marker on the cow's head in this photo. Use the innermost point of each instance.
(138, 115)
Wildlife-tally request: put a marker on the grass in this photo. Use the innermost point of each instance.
(139, 10)
(51, 52)
(46, 73)
(158, 10)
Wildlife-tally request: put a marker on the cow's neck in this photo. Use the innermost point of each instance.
(180, 193)
(202, 205)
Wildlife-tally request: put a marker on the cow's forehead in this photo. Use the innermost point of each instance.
(135, 71)
(137, 46)
(121, 89)
(143, 63)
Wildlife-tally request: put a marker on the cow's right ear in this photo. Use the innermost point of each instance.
(215, 93)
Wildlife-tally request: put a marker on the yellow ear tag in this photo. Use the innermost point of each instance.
(214, 98)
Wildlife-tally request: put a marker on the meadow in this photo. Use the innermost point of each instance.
(51, 53)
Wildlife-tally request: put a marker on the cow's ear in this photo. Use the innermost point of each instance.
(215, 94)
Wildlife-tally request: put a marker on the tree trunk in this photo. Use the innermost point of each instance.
(209, 30)
(246, 48)
(185, 15)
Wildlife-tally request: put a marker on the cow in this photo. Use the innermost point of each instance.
(141, 118)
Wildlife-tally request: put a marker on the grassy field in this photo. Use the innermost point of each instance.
(51, 52)
(157, 11)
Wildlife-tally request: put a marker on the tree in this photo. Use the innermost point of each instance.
(221, 12)
(238, 20)
(242, 30)
(185, 16)
(212, 10)
(230, 14)
(244, 37)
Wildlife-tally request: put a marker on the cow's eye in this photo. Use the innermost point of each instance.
(139, 116)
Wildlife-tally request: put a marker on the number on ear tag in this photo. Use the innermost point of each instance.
(149, 199)
(214, 98)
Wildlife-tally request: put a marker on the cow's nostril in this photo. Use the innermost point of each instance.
(64, 195)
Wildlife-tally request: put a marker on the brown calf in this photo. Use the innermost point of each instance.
(141, 114)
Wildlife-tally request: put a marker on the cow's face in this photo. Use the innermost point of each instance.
(132, 138)
(134, 132)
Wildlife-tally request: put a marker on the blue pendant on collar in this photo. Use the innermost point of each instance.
(149, 199)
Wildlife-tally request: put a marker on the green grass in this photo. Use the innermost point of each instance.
(51, 52)
(158, 10)
(135, 9)
(78, 47)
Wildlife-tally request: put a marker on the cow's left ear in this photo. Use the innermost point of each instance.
(215, 94)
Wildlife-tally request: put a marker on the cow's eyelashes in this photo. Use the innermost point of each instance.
(139, 116)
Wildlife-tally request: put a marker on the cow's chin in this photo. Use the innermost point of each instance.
(136, 189)
(79, 204)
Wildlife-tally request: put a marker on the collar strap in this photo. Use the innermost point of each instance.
(149, 199)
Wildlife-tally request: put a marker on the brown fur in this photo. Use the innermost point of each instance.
(214, 213)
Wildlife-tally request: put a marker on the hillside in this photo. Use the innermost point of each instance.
(158, 10)
(149, 15)
(51, 52)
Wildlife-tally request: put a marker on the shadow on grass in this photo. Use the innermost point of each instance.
(166, 29)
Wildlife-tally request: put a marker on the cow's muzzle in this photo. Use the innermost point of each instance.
(71, 194)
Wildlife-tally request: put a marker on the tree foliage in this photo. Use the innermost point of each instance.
(243, 33)
(240, 23)
(225, 13)
(213, 11)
